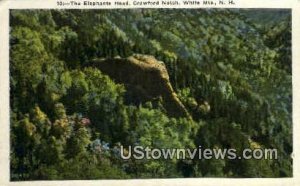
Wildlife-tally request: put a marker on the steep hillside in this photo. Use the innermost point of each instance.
(202, 77)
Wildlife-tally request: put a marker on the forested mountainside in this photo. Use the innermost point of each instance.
(85, 82)
(265, 17)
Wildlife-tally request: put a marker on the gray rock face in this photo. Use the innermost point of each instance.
(145, 79)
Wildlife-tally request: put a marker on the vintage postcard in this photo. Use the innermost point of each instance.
(149, 92)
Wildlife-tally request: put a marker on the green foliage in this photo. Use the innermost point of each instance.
(68, 120)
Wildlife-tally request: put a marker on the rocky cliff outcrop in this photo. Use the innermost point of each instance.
(145, 79)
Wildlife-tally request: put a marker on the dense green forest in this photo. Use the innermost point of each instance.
(230, 86)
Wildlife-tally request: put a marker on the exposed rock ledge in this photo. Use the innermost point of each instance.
(145, 79)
